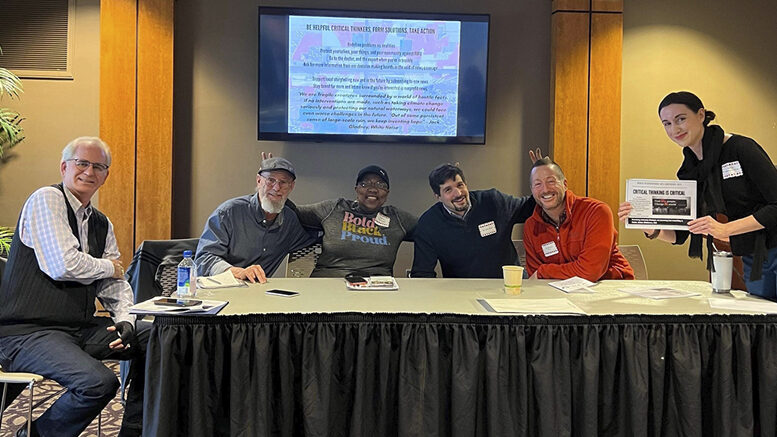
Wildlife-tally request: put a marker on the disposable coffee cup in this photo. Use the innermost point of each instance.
(513, 276)
(724, 266)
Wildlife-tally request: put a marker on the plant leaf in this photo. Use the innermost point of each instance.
(6, 235)
(9, 84)
(10, 130)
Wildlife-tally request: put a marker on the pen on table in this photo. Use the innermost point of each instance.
(214, 281)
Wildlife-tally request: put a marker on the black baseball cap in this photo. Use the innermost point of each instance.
(373, 169)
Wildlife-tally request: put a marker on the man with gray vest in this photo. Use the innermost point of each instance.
(63, 256)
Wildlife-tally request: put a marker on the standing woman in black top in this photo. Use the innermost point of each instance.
(734, 177)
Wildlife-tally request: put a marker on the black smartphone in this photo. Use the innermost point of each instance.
(354, 279)
(284, 293)
(173, 302)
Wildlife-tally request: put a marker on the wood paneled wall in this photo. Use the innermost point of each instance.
(136, 118)
(586, 44)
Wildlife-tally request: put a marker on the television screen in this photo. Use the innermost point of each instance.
(328, 75)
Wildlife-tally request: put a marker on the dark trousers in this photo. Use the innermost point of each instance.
(73, 359)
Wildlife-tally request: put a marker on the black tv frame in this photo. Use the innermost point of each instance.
(366, 138)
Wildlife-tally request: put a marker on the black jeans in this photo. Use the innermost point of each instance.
(73, 359)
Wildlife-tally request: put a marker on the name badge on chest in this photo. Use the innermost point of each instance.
(486, 229)
(549, 248)
(382, 220)
(731, 170)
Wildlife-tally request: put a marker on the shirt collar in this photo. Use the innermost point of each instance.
(453, 213)
(550, 221)
(260, 215)
(78, 208)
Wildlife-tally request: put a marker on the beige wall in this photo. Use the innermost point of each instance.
(722, 51)
(55, 112)
(217, 152)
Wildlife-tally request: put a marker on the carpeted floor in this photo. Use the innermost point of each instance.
(15, 414)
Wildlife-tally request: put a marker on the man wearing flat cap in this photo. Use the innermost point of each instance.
(250, 235)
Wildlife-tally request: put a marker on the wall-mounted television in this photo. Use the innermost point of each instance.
(366, 76)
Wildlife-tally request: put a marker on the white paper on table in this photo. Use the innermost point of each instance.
(532, 306)
(658, 292)
(206, 307)
(574, 284)
(761, 306)
(223, 280)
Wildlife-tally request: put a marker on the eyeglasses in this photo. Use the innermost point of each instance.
(83, 164)
(282, 183)
(377, 184)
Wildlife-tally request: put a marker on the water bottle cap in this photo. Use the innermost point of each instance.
(187, 253)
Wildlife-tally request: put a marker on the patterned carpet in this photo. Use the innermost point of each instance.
(15, 414)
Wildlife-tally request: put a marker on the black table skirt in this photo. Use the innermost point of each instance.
(375, 375)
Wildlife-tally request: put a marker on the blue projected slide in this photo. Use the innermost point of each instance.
(373, 76)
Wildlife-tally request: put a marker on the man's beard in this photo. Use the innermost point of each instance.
(461, 208)
(270, 206)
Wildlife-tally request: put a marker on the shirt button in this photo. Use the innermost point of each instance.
(264, 250)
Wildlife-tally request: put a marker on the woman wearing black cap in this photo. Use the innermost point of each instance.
(734, 177)
(360, 235)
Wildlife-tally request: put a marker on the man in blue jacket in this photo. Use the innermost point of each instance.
(468, 232)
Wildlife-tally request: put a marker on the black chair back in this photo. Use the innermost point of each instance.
(153, 267)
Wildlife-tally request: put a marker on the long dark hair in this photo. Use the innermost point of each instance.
(688, 99)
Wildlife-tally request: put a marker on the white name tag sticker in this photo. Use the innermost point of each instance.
(549, 248)
(731, 170)
(382, 220)
(486, 229)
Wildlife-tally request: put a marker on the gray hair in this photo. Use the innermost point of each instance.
(70, 150)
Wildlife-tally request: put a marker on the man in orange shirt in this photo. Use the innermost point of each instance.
(569, 235)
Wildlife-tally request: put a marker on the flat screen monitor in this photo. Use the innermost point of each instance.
(366, 76)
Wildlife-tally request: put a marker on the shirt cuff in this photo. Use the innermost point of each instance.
(108, 268)
(126, 317)
(219, 267)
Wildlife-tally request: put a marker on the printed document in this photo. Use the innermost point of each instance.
(660, 204)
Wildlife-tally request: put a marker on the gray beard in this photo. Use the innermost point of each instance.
(269, 206)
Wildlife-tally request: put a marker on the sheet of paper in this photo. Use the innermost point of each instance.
(532, 306)
(574, 284)
(660, 204)
(210, 307)
(222, 280)
(761, 306)
(658, 292)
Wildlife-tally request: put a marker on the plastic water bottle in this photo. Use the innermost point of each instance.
(187, 276)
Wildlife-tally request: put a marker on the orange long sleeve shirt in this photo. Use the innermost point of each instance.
(584, 245)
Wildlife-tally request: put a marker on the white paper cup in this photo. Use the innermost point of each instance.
(513, 276)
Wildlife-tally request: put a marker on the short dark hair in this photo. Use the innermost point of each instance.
(688, 99)
(442, 173)
(550, 163)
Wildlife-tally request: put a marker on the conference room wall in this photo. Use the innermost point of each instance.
(723, 52)
(55, 112)
(217, 153)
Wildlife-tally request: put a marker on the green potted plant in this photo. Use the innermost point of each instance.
(10, 135)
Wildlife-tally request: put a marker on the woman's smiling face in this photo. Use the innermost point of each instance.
(682, 125)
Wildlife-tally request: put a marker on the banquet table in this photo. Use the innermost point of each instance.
(430, 360)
